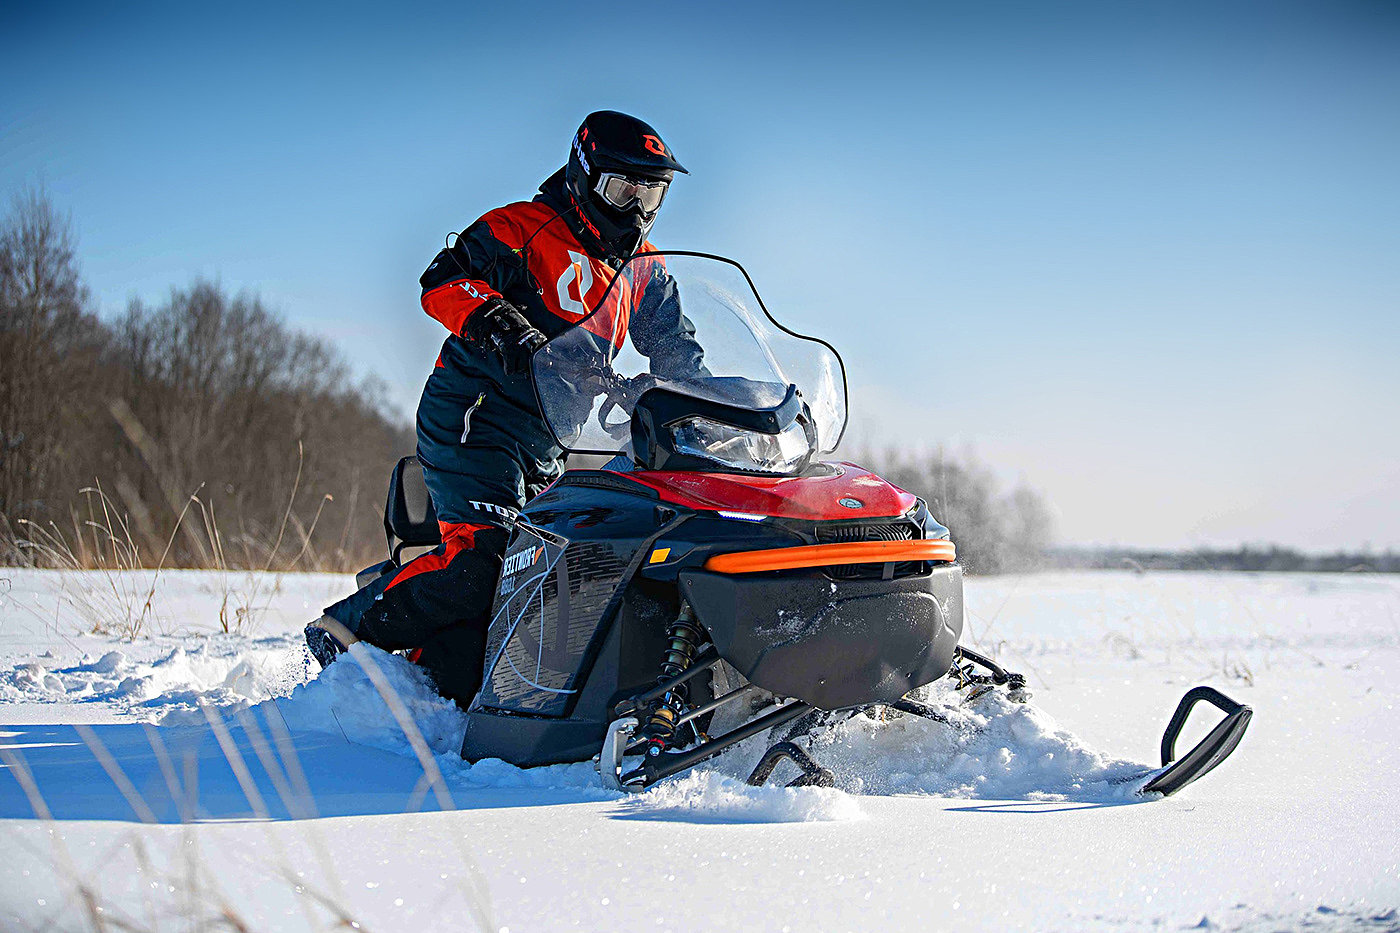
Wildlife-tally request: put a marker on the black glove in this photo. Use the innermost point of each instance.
(632, 389)
(500, 327)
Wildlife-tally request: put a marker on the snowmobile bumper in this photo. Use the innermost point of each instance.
(833, 643)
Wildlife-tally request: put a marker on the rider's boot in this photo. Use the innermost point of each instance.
(327, 639)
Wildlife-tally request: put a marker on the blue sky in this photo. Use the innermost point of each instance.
(1140, 256)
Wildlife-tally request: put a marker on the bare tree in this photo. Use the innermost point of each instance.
(217, 393)
(49, 345)
(207, 393)
(995, 532)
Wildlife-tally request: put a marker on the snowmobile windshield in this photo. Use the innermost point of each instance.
(688, 322)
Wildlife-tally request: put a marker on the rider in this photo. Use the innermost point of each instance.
(520, 275)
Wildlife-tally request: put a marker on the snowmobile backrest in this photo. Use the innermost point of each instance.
(409, 517)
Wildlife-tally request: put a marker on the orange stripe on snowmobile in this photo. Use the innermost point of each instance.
(826, 555)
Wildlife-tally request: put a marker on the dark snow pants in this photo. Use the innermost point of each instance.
(485, 452)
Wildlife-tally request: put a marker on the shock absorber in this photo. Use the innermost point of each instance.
(682, 641)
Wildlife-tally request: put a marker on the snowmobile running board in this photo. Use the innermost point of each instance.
(1209, 752)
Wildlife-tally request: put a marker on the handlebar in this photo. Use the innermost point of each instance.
(623, 393)
(591, 378)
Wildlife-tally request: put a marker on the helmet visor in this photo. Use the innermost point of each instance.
(622, 192)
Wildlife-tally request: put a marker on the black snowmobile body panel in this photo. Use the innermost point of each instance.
(576, 627)
(832, 643)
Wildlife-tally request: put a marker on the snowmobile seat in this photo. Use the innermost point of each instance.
(409, 518)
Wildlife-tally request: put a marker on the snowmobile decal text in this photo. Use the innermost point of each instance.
(521, 559)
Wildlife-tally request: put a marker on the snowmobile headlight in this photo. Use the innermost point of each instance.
(740, 448)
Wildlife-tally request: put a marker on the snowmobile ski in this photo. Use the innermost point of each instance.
(1209, 752)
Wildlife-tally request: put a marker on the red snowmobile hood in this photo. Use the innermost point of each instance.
(847, 492)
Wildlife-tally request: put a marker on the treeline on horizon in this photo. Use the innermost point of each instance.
(200, 432)
(995, 530)
(1256, 558)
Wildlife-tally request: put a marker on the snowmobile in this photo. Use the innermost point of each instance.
(716, 580)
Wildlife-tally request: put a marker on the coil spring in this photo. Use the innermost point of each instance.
(682, 642)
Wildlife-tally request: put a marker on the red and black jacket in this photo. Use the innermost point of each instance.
(532, 254)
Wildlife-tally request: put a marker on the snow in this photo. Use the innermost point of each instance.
(994, 749)
(199, 771)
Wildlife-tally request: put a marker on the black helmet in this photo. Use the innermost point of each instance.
(617, 176)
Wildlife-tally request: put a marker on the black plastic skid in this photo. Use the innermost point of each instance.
(1210, 751)
(832, 643)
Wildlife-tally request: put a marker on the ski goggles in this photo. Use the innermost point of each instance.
(622, 192)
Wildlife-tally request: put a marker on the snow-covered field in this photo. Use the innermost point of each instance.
(276, 801)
